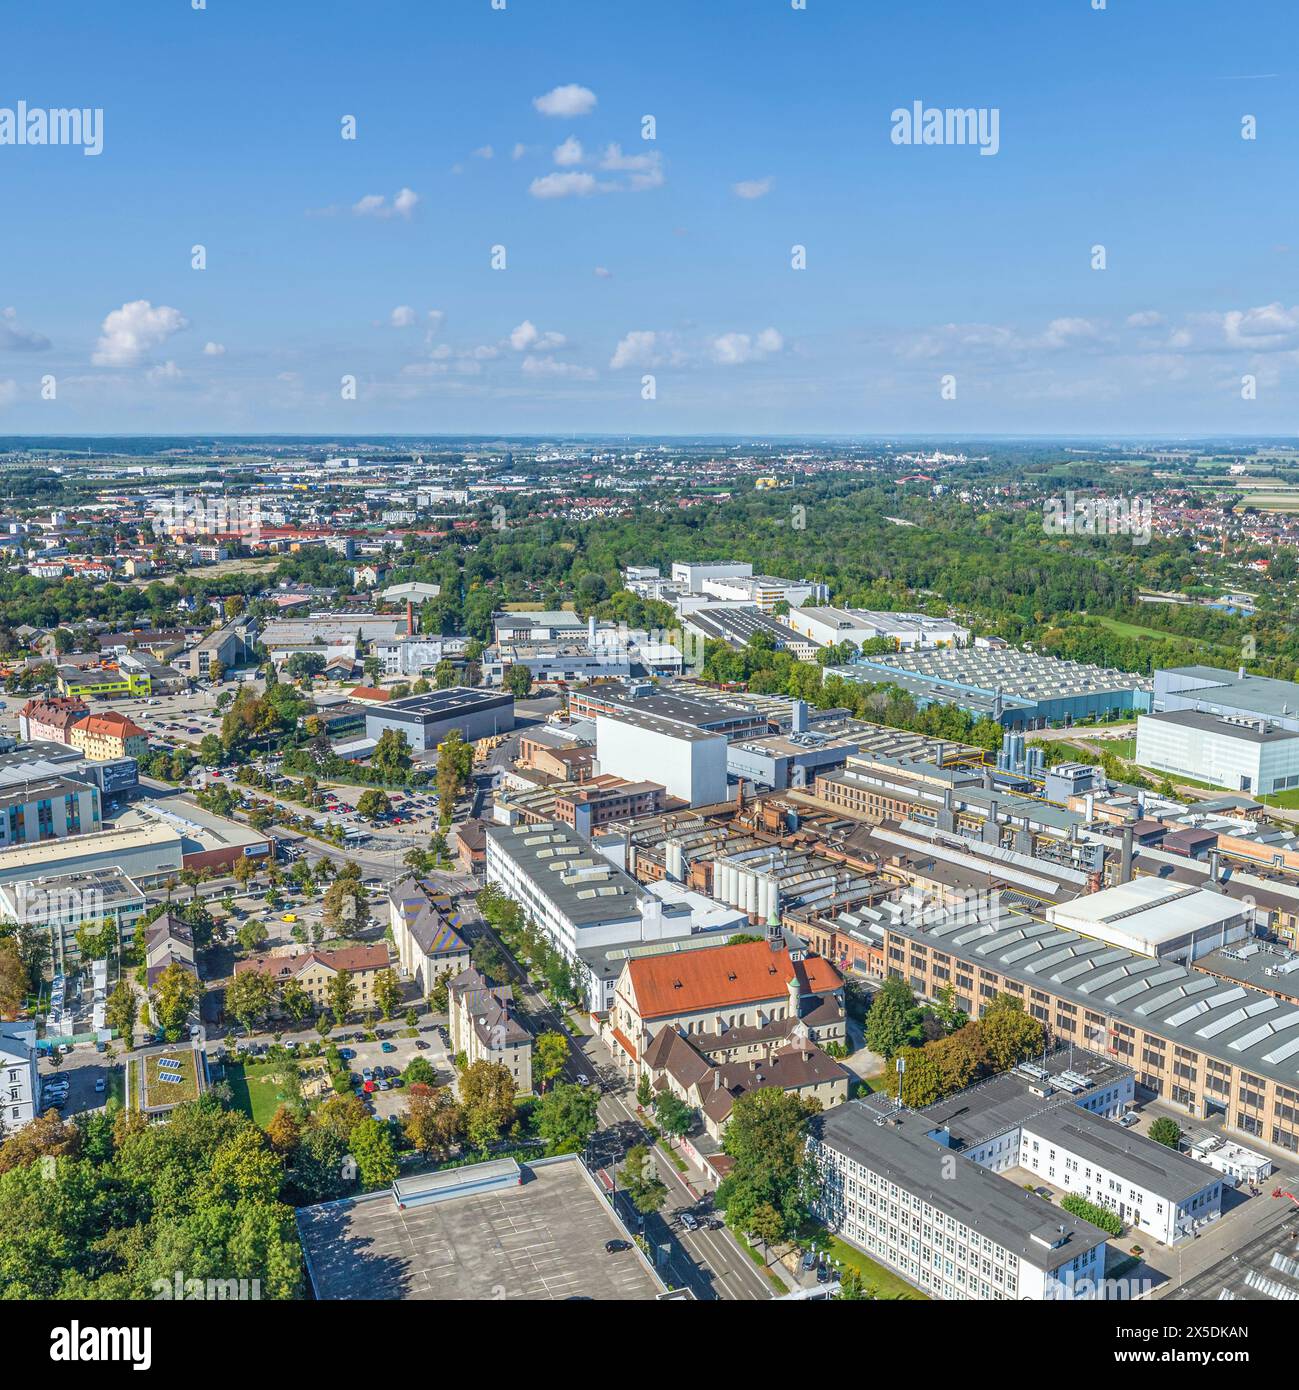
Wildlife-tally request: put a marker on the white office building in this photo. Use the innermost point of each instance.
(578, 900)
(950, 1227)
(765, 591)
(693, 576)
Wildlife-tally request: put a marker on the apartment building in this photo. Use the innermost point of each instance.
(19, 1082)
(423, 921)
(102, 737)
(1211, 1047)
(483, 1027)
(50, 720)
(946, 1224)
(316, 970)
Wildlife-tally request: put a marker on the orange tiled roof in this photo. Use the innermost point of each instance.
(722, 977)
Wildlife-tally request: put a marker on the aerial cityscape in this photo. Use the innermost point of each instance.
(644, 660)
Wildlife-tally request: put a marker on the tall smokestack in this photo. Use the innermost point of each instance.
(1125, 856)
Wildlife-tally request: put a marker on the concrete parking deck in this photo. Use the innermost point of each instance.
(543, 1239)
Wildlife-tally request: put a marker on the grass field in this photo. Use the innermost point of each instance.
(879, 1282)
(1123, 629)
(1124, 748)
(260, 1088)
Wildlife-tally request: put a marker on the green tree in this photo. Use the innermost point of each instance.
(342, 995)
(1010, 1036)
(376, 1157)
(518, 680)
(673, 1115)
(894, 1020)
(771, 1171)
(174, 998)
(567, 1117)
(1166, 1130)
(644, 1091)
(487, 1095)
(387, 993)
(549, 1056)
(121, 1010)
(434, 1121)
(640, 1182)
(250, 996)
(373, 804)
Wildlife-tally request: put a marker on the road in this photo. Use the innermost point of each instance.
(710, 1263)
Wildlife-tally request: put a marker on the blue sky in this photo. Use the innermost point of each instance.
(1119, 127)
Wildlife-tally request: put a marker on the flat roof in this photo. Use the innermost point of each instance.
(901, 1151)
(1220, 726)
(442, 704)
(577, 879)
(543, 1239)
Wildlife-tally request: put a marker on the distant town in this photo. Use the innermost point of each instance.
(683, 853)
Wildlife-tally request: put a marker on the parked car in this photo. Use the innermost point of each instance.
(367, 1074)
(421, 1044)
(612, 1247)
(809, 1260)
(1129, 1119)
(387, 1047)
(101, 1085)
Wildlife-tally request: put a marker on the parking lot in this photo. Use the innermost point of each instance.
(371, 1055)
(82, 1069)
(542, 1239)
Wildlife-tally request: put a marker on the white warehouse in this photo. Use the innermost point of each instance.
(1240, 753)
(690, 762)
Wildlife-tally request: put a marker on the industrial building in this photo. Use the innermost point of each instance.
(1245, 753)
(738, 624)
(43, 808)
(694, 575)
(1020, 690)
(910, 631)
(1167, 921)
(690, 762)
(1205, 1045)
(765, 591)
(1211, 690)
(425, 720)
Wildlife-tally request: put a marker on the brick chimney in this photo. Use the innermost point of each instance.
(410, 618)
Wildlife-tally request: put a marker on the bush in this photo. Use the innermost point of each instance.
(1100, 1216)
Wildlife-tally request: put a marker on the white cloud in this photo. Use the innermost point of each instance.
(570, 100)
(402, 316)
(15, 338)
(484, 152)
(527, 335)
(646, 170)
(214, 349)
(167, 372)
(549, 366)
(8, 392)
(128, 333)
(732, 349)
(563, 185)
(640, 348)
(753, 188)
(519, 150)
(569, 153)
(1065, 332)
(1146, 318)
(435, 317)
(377, 205)
(603, 273)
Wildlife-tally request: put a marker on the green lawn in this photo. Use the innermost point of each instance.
(880, 1282)
(260, 1088)
(1124, 748)
(158, 1092)
(1123, 629)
